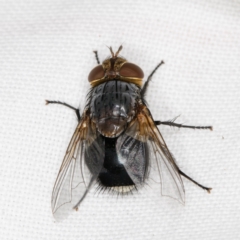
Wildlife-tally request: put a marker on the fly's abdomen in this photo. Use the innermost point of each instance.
(113, 173)
(112, 106)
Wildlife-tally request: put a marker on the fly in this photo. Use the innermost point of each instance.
(117, 141)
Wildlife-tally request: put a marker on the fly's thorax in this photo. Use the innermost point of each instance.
(113, 105)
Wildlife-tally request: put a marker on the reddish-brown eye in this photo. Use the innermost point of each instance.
(96, 73)
(131, 70)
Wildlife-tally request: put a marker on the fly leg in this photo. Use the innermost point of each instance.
(77, 111)
(145, 86)
(179, 125)
(198, 184)
(96, 56)
(169, 123)
(172, 123)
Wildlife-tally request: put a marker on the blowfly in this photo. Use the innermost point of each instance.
(117, 143)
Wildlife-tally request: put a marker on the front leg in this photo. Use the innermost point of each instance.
(77, 111)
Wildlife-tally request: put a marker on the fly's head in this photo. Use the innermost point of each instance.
(116, 68)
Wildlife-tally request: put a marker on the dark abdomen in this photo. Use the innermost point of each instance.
(113, 173)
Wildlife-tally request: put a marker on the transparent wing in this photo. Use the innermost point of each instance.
(142, 147)
(133, 155)
(74, 176)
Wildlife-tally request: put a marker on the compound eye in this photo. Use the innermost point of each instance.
(131, 70)
(96, 73)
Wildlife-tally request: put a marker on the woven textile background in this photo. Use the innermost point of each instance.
(46, 53)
